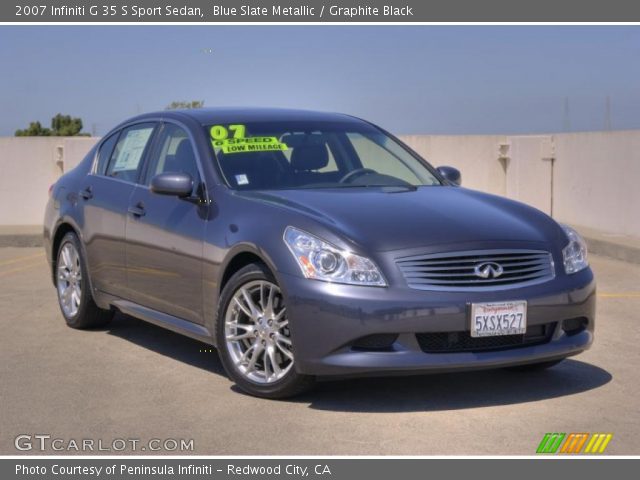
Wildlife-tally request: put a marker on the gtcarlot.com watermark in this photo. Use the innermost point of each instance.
(50, 443)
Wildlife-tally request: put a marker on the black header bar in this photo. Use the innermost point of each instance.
(318, 11)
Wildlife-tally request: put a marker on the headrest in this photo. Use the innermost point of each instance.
(184, 152)
(309, 157)
(251, 160)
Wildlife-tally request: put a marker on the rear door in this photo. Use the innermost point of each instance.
(165, 234)
(105, 198)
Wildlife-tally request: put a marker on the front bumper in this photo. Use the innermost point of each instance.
(326, 319)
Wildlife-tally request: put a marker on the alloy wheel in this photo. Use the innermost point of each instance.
(257, 332)
(69, 276)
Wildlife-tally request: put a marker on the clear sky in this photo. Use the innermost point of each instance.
(420, 79)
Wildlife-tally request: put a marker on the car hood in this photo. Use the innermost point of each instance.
(390, 218)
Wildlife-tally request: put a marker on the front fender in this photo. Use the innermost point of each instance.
(272, 254)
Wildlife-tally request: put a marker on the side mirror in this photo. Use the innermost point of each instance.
(450, 174)
(179, 184)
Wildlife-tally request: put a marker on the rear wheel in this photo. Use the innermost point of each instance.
(253, 334)
(74, 295)
(535, 367)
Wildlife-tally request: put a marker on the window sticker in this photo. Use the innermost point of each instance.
(242, 179)
(232, 139)
(131, 150)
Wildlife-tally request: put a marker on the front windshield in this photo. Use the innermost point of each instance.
(313, 155)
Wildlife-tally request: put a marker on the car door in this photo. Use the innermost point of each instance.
(165, 234)
(104, 197)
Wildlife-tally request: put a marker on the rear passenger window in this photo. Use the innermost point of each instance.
(105, 153)
(127, 156)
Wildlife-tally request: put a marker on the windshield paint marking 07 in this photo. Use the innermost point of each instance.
(239, 143)
(220, 132)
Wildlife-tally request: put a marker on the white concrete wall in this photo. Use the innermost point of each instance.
(528, 172)
(29, 165)
(596, 175)
(597, 180)
(476, 156)
(75, 150)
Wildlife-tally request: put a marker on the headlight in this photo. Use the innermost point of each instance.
(322, 261)
(575, 253)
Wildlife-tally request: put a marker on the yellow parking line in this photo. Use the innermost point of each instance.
(20, 259)
(620, 295)
(20, 269)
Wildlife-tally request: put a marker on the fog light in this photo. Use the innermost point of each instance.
(376, 342)
(573, 326)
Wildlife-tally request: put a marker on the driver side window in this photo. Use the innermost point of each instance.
(174, 153)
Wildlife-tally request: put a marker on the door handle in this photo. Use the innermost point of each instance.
(87, 194)
(138, 210)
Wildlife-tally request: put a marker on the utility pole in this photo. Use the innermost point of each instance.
(607, 114)
(566, 121)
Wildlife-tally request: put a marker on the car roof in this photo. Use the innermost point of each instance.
(209, 116)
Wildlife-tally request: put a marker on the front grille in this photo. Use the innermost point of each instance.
(452, 342)
(462, 270)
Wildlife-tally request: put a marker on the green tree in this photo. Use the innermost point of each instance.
(61, 126)
(35, 129)
(66, 126)
(183, 104)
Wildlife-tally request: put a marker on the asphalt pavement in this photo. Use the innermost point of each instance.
(140, 386)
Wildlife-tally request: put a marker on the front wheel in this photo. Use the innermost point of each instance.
(253, 335)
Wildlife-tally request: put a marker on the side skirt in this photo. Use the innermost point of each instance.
(164, 320)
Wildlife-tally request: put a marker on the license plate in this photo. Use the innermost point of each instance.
(498, 318)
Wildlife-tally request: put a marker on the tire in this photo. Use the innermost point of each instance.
(535, 367)
(253, 340)
(77, 306)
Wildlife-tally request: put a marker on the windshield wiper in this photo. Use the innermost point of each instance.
(388, 188)
(400, 188)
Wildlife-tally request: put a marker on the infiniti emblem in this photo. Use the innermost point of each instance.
(488, 270)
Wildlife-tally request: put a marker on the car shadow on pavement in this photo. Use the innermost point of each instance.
(165, 342)
(435, 392)
(455, 391)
